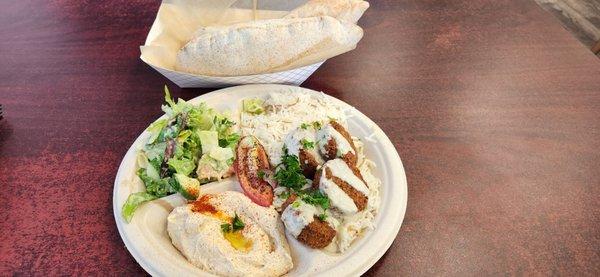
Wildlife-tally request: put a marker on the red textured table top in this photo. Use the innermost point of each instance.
(493, 107)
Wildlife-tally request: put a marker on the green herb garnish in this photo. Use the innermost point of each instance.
(237, 223)
(316, 198)
(289, 172)
(284, 195)
(226, 227)
(307, 144)
(315, 124)
(322, 217)
(261, 174)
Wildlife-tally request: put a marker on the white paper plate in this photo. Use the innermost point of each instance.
(146, 238)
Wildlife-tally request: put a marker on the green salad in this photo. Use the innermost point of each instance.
(193, 145)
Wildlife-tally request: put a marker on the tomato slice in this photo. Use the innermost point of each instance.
(250, 160)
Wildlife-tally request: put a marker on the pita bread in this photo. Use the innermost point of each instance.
(265, 46)
(345, 10)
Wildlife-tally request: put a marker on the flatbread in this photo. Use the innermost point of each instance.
(265, 46)
(345, 10)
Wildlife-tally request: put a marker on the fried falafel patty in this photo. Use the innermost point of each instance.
(302, 221)
(344, 186)
(317, 234)
(334, 141)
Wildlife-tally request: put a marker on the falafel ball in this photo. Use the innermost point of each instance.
(318, 234)
(335, 142)
(347, 190)
(302, 221)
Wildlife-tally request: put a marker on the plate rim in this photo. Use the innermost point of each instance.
(394, 156)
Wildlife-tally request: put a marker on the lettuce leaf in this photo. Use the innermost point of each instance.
(133, 201)
(182, 166)
(221, 154)
(172, 109)
(223, 126)
(201, 117)
(229, 141)
(183, 136)
(209, 140)
(155, 128)
(153, 171)
(155, 187)
(155, 151)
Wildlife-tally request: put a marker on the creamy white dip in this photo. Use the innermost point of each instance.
(200, 239)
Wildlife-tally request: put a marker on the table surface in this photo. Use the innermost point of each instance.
(493, 107)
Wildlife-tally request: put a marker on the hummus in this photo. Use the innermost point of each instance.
(195, 229)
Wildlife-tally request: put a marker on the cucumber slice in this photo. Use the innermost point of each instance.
(188, 187)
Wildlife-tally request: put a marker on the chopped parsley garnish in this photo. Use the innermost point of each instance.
(312, 197)
(284, 195)
(316, 198)
(315, 124)
(322, 217)
(237, 223)
(226, 227)
(289, 173)
(307, 144)
(261, 174)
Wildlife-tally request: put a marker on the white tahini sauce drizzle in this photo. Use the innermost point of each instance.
(328, 132)
(293, 142)
(336, 195)
(341, 170)
(296, 218)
